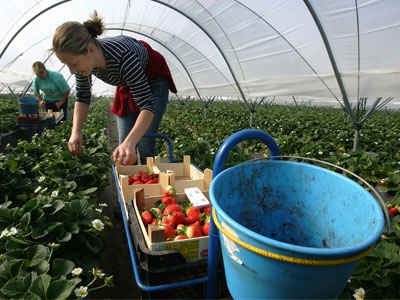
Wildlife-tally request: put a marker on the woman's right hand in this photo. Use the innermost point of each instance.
(75, 143)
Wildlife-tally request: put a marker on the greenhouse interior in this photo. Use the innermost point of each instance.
(312, 82)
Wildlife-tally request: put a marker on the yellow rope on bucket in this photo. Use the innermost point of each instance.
(288, 259)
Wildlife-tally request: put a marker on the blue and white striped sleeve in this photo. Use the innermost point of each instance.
(83, 86)
(135, 78)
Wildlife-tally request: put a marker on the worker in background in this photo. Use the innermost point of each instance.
(54, 87)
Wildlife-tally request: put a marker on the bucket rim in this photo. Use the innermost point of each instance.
(303, 250)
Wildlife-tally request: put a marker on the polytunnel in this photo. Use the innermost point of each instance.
(329, 52)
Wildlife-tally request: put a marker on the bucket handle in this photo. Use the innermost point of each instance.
(236, 138)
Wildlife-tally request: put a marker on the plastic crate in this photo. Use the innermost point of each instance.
(168, 267)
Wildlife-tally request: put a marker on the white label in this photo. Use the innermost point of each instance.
(196, 197)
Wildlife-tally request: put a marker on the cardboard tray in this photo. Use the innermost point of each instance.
(192, 249)
(185, 174)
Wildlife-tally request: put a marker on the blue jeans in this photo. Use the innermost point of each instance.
(147, 145)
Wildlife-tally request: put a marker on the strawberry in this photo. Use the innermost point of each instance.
(166, 220)
(205, 228)
(193, 210)
(192, 219)
(130, 180)
(169, 232)
(178, 217)
(172, 208)
(393, 211)
(206, 210)
(155, 222)
(168, 200)
(192, 215)
(155, 211)
(193, 230)
(146, 217)
(138, 176)
(170, 191)
(180, 237)
(137, 182)
(146, 177)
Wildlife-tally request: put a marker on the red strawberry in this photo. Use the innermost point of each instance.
(193, 230)
(166, 220)
(206, 209)
(146, 217)
(393, 211)
(169, 232)
(180, 237)
(168, 200)
(205, 228)
(137, 176)
(192, 219)
(137, 182)
(172, 208)
(178, 217)
(146, 177)
(192, 215)
(193, 210)
(170, 191)
(130, 180)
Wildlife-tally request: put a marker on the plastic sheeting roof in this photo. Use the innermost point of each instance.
(342, 49)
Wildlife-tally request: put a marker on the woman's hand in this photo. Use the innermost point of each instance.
(125, 153)
(42, 103)
(75, 143)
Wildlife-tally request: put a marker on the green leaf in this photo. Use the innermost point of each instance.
(40, 285)
(62, 267)
(61, 289)
(13, 288)
(37, 254)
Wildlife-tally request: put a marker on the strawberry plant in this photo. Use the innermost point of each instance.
(50, 223)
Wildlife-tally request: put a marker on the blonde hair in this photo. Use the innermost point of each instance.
(74, 37)
(38, 66)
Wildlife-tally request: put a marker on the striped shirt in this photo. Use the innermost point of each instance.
(126, 60)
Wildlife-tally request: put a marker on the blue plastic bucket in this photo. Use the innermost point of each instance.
(291, 230)
(28, 106)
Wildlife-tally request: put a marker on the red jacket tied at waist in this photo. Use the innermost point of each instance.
(156, 67)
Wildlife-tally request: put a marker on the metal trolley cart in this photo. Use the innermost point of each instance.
(161, 274)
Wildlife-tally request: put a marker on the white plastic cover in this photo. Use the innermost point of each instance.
(227, 48)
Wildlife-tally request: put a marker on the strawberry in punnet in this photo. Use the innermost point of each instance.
(166, 220)
(137, 182)
(180, 237)
(205, 228)
(169, 232)
(172, 208)
(192, 215)
(168, 200)
(178, 217)
(146, 177)
(155, 211)
(146, 217)
(170, 191)
(137, 176)
(193, 230)
(206, 209)
(130, 180)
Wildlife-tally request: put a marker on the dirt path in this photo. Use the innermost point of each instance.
(116, 259)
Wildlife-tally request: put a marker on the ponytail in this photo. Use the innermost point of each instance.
(74, 37)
